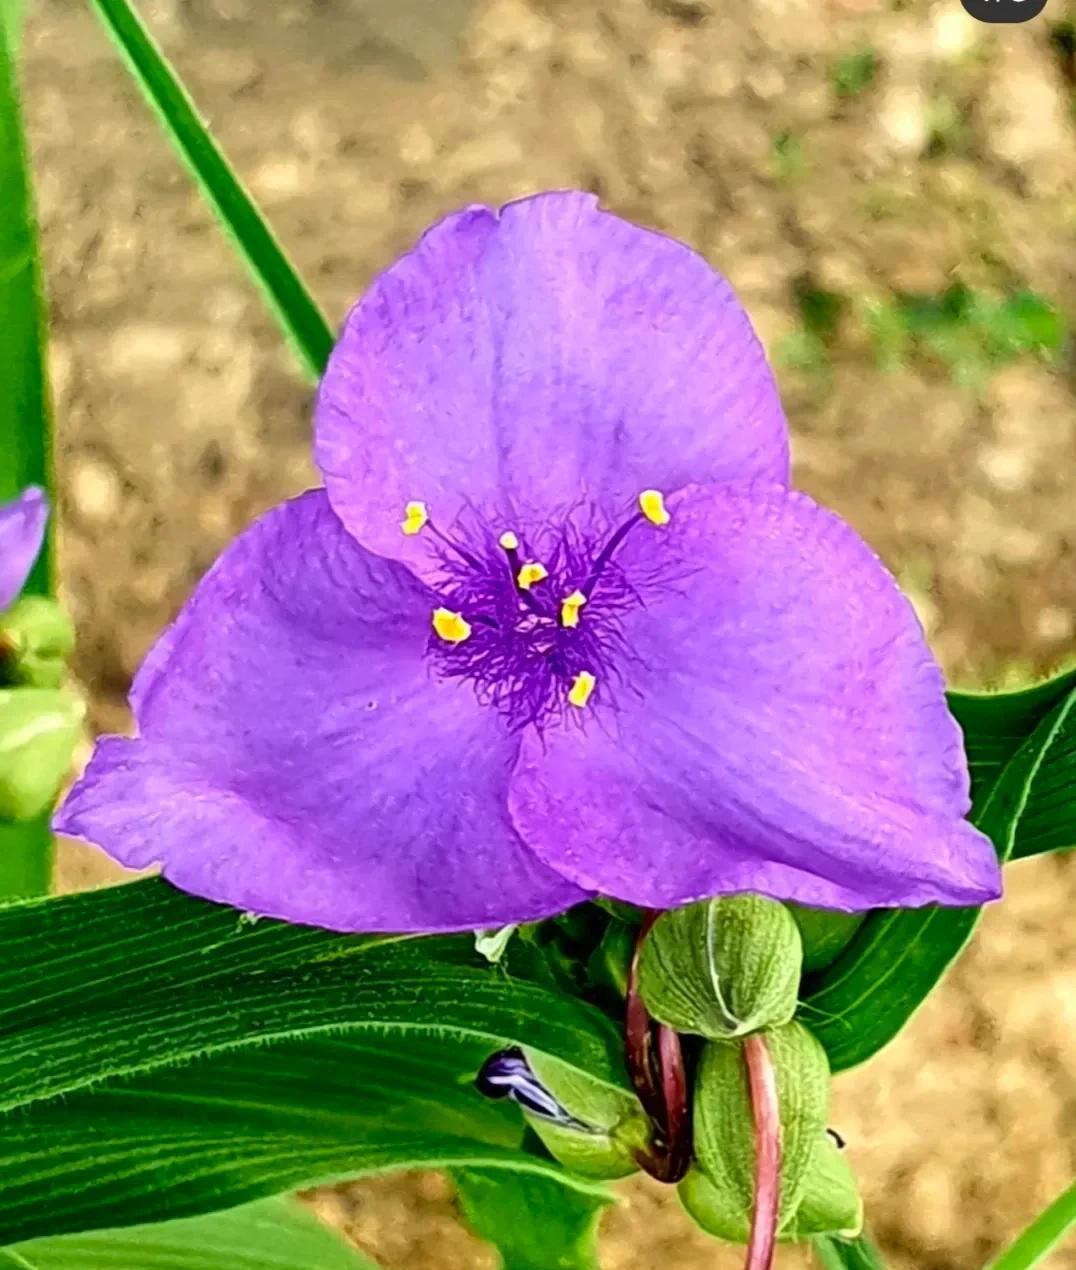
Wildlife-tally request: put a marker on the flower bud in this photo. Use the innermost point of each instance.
(722, 968)
(724, 1124)
(36, 639)
(593, 1129)
(829, 1203)
(39, 728)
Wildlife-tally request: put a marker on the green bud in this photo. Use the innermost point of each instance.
(724, 1125)
(829, 1203)
(616, 1125)
(722, 968)
(39, 728)
(36, 639)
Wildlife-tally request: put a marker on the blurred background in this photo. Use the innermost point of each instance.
(891, 187)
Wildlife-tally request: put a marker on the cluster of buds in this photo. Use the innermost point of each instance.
(728, 971)
(722, 977)
(40, 721)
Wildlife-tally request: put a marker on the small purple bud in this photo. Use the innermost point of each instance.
(507, 1074)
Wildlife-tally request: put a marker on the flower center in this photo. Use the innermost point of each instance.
(533, 619)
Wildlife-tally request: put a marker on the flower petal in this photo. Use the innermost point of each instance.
(782, 728)
(22, 531)
(296, 759)
(520, 359)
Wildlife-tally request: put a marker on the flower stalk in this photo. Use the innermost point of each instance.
(656, 1064)
(765, 1110)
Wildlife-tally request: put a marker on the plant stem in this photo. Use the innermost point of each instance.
(762, 1081)
(656, 1064)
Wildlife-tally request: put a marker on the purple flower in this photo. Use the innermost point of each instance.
(555, 626)
(22, 531)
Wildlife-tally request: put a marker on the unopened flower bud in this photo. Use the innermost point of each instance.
(39, 728)
(722, 968)
(829, 1203)
(36, 639)
(724, 1124)
(593, 1129)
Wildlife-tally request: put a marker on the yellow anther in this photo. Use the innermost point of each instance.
(530, 574)
(509, 541)
(582, 687)
(415, 517)
(451, 627)
(652, 505)
(569, 608)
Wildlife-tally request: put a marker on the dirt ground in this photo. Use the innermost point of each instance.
(747, 131)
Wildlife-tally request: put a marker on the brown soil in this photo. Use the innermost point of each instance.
(356, 122)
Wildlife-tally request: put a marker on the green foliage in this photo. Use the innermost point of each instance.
(1042, 1236)
(832, 1253)
(865, 997)
(788, 157)
(276, 1234)
(308, 1056)
(854, 73)
(968, 332)
(534, 1222)
(296, 310)
(25, 425)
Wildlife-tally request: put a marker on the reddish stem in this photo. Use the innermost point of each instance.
(656, 1064)
(765, 1109)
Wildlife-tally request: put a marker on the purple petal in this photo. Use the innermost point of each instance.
(22, 531)
(526, 359)
(781, 728)
(296, 759)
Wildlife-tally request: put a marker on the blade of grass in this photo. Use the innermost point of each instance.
(25, 424)
(296, 310)
(1042, 1236)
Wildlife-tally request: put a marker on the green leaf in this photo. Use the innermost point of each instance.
(860, 1002)
(277, 1234)
(832, 1253)
(534, 1222)
(373, 1046)
(995, 725)
(1043, 1235)
(295, 309)
(239, 1126)
(25, 849)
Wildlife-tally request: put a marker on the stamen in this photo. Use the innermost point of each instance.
(415, 517)
(581, 689)
(531, 573)
(508, 541)
(652, 505)
(569, 608)
(453, 628)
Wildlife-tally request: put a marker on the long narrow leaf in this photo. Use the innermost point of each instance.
(1042, 1236)
(25, 426)
(295, 308)
(277, 1234)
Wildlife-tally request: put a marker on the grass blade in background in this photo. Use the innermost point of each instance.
(1042, 1236)
(295, 308)
(25, 425)
(277, 1234)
